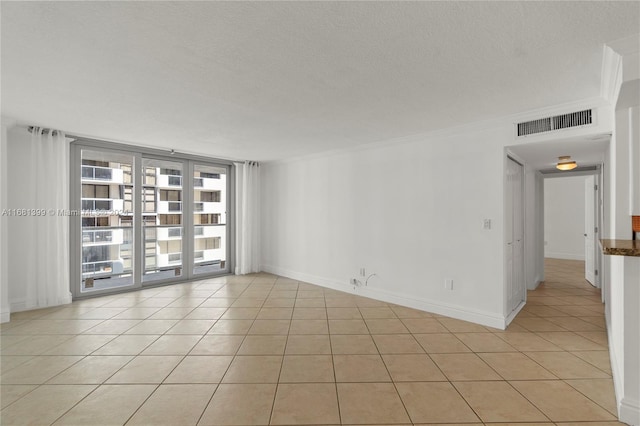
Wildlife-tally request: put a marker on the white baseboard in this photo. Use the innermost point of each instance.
(66, 299)
(515, 312)
(615, 370)
(534, 285)
(564, 256)
(454, 311)
(5, 316)
(629, 412)
(28, 305)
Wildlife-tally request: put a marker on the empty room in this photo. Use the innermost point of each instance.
(320, 213)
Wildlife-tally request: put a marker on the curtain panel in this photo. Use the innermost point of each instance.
(47, 234)
(247, 217)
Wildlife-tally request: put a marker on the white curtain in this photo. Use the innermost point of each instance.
(47, 281)
(247, 217)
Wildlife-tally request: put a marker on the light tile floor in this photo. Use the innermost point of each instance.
(259, 349)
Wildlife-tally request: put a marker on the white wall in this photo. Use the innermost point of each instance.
(622, 274)
(5, 309)
(20, 187)
(630, 402)
(411, 213)
(634, 160)
(623, 331)
(619, 151)
(533, 237)
(564, 211)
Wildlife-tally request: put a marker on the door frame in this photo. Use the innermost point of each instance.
(510, 313)
(597, 172)
(591, 209)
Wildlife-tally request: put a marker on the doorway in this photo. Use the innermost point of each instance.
(514, 241)
(571, 220)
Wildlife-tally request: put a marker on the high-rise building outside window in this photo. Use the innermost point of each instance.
(147, 219)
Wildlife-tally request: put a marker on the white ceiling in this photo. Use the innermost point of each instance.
(270, 80)
(586, 151)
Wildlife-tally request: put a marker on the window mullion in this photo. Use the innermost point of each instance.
(187, 219)
(139, 250)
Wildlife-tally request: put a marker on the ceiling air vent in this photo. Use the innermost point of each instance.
(557, 122)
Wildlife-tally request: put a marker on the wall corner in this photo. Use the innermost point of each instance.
(611, 75)
(5, 309)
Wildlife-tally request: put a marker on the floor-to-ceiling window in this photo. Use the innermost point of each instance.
(163, 224)
(145, 217)
(106, 207)
(209, 218)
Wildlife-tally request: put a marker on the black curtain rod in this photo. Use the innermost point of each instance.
(45, 130)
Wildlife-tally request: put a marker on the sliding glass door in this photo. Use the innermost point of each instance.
(209, 219)
(162, 221)
(145, 218)
(106, 238)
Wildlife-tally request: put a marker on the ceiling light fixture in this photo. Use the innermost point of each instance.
(565, 163)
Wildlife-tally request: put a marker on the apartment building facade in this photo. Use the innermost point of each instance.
(108, 209)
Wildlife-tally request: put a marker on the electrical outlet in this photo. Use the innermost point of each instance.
(362, 272)
(448, 284)
(486, 224)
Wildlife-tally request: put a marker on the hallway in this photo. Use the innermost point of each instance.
(565, 313)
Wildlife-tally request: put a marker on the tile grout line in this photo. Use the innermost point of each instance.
(369, 333)
(333, 363)
(589, 398)
(277, 384)
(142, 404)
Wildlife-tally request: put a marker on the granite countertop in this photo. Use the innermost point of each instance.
(621, 247)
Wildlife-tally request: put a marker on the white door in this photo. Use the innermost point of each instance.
(508, 229)
(589, 230)
(514, 225)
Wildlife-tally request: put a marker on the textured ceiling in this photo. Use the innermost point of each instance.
(270, 80)
(544, 155)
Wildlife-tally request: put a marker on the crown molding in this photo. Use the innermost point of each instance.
(611, 75)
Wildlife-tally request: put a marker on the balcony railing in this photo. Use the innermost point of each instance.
(97, 173)
(152, 233)
(175, 257)
(175, 180)
(97, 204)
(97, 236)
(198, 207)
(108, 236)
(198, 182)
(105, 267)
(102, 174)
(175, 206)
(210, 175)
(174, 232)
